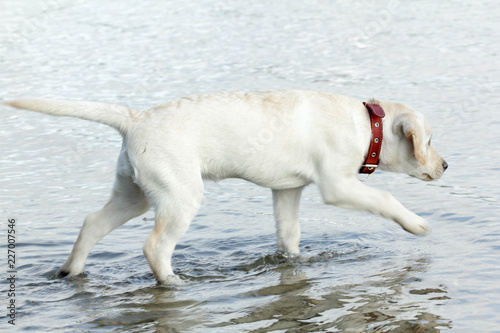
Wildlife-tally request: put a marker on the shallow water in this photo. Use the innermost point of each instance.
(357, 272)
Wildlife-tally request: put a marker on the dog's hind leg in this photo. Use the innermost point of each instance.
(127, 201)
(175, 205)
(286, 213)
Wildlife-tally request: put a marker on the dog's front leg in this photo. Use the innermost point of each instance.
(286, 213)
(352, 194)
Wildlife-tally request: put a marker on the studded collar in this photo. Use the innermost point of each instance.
(373, 158)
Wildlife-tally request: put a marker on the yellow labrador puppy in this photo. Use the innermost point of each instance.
(283, 140)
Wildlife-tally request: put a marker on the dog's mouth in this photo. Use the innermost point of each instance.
(426, 177)
(423, 176)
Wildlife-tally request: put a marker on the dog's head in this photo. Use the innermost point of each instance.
(408, 144)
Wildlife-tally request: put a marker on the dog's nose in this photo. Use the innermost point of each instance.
(445, 165)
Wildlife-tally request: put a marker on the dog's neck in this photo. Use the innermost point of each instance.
(388, 156)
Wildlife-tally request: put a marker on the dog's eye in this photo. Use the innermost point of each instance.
(429, 142)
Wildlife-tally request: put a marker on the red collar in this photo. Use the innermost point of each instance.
(372, 159)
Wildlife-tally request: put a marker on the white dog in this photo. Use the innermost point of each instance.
(283, 140)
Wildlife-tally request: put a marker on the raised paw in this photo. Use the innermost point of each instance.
(416, 226)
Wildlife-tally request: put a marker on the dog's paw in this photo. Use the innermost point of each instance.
(61, 274)
(171, 280)
(418, 226)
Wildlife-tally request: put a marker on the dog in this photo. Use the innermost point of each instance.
(283, 140)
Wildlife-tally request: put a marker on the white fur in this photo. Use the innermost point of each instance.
(283, 140)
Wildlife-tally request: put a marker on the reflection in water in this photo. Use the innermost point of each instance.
(293, 304)
(353, 308)
(153, 307)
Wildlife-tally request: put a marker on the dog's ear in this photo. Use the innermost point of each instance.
(408, 125)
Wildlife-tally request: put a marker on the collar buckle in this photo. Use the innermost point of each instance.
(370, 166)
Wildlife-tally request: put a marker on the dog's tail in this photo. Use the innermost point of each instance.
(116, 116)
